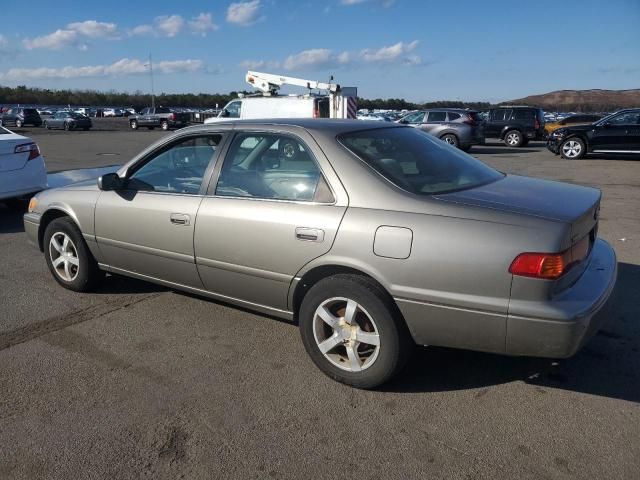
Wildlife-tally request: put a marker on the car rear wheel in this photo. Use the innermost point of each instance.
(164, 125)
(46, 125)
(353, 332)
(133, 124)
(450, 138)
(68, 126)
(68, 257)
(19, 123)
(513, 138)
(573, 148)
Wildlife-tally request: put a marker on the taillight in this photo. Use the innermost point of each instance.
(470, 121)
(172, 117)
(32, 148)
(550, 265)
(536, 125)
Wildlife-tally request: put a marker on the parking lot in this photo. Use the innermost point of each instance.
(137, 381)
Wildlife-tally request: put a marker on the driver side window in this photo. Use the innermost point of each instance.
(177, 168)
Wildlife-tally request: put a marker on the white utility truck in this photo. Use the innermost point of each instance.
(330, 101)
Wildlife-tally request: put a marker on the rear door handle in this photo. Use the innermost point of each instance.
(309, 234)
(180, 219)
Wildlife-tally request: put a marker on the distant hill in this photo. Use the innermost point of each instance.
(595, 100)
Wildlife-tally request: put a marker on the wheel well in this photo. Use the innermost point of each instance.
(314, 275)
(509, 129)
(48, 217)
(448, 133)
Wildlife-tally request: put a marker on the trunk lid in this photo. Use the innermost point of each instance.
(9, 160)
(562, 202)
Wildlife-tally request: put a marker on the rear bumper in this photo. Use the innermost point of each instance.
(29, 179)
(569, 320)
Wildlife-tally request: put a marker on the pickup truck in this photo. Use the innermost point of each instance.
(159, 117)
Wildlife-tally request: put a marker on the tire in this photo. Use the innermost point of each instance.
(513, 138)
(451, 139)
(84, 276)
(164, 125)
(133, 124)
(46, 125)
(68, 126)
(573, 148)
(359, 364)
(19, 123)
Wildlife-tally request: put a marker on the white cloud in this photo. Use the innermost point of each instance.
(94, 29)
(392, 53)
(54, 41)
(384, 3)
(125, 66)
(142, 30)
(259, 64)
(169, 25)
(313, 58)
(202, 24)
(244, 13)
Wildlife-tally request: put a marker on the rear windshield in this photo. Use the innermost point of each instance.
(417, 162)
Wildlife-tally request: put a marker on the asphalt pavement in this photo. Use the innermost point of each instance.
(138, 381)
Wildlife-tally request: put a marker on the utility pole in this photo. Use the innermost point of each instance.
(153, 95)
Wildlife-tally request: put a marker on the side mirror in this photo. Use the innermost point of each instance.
(110, 181)
(606, 124)
(225, 113)
(404, 122)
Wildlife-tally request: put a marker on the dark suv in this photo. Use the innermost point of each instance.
(19, 116)
(515, 125)
(616, 133)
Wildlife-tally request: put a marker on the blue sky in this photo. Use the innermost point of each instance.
(413, 49)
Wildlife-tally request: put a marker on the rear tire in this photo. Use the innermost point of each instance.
(133, 124)
(513, 138)
(164, 125)
(341, 315)
(19, 123)
(451, 139)
(46, 125)
(573, 148)
(68, 257)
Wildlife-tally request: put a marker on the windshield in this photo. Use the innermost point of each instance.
(417, 162)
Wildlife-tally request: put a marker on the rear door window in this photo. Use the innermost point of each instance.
(453, 116)
(523, 114)
(500, 114)
(434, 117)
(417, 117)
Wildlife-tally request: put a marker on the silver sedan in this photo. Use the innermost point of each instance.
(371, 237)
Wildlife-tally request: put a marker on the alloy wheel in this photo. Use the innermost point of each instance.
(571, 149)
(513, 139)
(64, 256)
(346, 334)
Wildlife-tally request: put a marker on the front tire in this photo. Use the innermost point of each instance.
(513, 138)
(451, 139)
(353, 332)
(68, 257)
(573, 148)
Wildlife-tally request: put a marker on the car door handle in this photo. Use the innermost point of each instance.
(309, 234)
(180, 219)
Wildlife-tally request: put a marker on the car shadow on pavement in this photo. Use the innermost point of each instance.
(11, 217)
(608, 366)
(497, 150)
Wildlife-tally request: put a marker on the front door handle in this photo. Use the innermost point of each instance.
(309, 234)
(180, 219)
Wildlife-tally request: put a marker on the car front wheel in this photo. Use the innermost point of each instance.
(573, 148)
(68, 257)
(450, 138)
(353, 332)
(133, 124)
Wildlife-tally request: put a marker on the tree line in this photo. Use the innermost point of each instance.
(40, 96)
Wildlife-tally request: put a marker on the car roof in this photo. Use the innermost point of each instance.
(334, 126)
(446, 109)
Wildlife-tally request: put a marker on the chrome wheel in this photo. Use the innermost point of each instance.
(450, 139)
(571, 148)
(346, 334)
(513, 138)
(64, 256)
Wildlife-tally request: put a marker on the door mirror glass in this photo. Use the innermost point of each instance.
(110, 181)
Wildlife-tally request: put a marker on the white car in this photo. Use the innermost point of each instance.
(22, 169)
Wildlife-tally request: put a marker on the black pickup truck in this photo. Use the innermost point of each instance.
(162, 117)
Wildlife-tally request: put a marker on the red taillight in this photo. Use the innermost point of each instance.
(172, 117)
(536, 125)
(32, 148)
(550, 265)
(470, 121)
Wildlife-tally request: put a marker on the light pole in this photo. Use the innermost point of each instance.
(153, 96)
